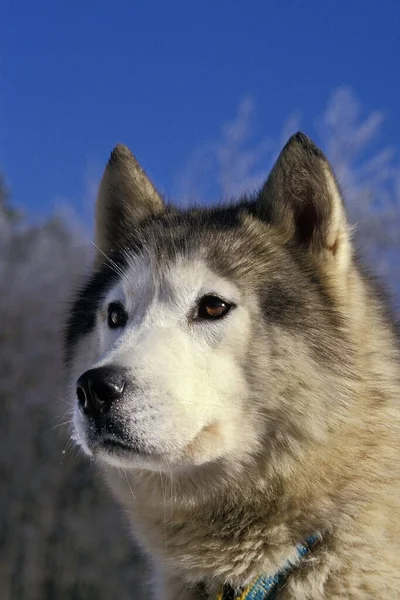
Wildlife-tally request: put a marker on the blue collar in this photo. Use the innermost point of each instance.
(267, 588)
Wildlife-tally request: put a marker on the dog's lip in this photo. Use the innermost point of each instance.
(115, 445)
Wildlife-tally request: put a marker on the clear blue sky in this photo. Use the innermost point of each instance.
(77, 77)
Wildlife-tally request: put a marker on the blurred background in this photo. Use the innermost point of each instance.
(205, 94)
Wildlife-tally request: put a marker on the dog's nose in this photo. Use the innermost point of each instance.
(97, 388)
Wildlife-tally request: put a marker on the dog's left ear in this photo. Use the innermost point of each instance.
(126, 198)
(302, 199)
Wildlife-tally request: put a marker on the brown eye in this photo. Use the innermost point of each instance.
(211, 307)
(117, 316)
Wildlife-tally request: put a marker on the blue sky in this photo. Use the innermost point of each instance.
(163, 77)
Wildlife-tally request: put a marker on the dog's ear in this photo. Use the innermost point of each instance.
(126, 198)
(301, 198)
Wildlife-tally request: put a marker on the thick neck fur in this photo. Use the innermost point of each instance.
(224, 522)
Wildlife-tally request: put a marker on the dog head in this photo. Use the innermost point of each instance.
(213, 334)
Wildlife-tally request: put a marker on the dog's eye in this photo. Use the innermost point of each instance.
(117, 316)
(212, 307)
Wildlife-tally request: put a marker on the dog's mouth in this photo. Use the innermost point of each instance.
(116, 446)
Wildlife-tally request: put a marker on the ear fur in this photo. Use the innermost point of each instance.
(126, 198)
(302, 199)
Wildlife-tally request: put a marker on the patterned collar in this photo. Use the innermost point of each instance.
(267, 588)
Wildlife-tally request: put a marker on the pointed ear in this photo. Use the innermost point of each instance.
(126, 198)
(301, 198)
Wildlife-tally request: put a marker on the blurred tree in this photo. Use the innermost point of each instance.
(6, 209)
(61, 537)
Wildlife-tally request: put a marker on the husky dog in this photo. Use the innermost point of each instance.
(236, 376)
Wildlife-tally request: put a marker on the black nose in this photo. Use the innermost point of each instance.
(98, 388)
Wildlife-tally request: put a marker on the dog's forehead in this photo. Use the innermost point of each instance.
(181, 277)
(226, 242)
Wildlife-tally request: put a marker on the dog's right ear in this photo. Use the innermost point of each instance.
(126, 198)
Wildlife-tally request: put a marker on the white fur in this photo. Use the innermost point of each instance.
(186, 405)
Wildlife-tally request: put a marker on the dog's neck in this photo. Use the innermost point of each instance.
(202, 532)
(266, 587)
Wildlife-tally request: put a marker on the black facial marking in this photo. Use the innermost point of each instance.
(82, 317)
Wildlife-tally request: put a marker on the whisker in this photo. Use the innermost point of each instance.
(71, 404)
(129, 485)
(58, 417)
(69, 422)
(116, 268)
